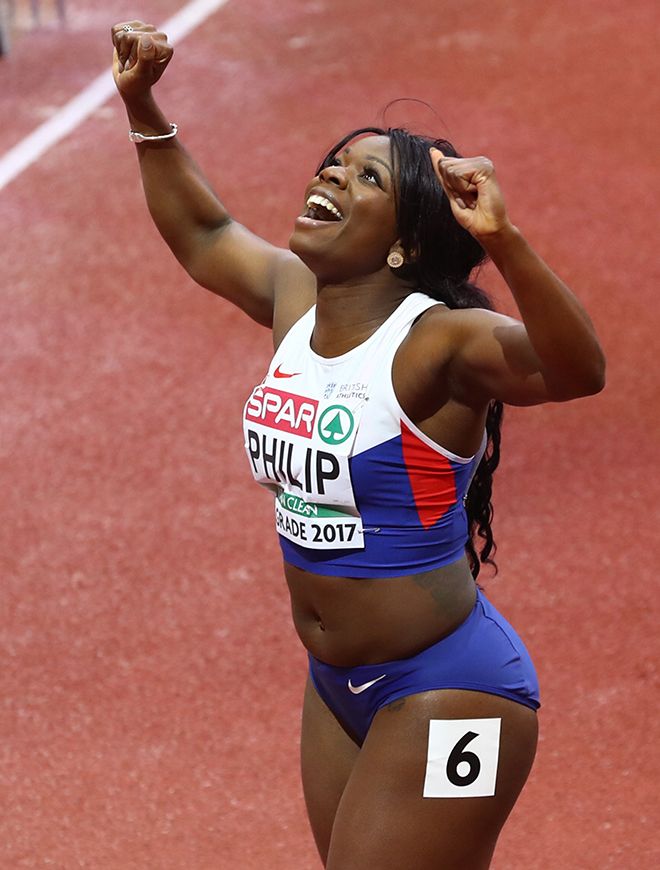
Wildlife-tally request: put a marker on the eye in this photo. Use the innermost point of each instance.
(372, 175)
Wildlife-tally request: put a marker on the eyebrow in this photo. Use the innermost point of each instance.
(382, 162)
(373, 157)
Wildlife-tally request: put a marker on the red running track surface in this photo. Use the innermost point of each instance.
(151, 680)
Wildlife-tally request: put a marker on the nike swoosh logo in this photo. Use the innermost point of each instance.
(280, 374)
(364, 686)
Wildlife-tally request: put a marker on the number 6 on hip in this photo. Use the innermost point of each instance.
(462, 758)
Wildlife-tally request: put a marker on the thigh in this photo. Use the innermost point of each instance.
(327, 757)
(384, 821)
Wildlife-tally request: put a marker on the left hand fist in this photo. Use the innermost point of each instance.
(474, 194)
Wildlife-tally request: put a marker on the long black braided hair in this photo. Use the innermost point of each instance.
(441, 256)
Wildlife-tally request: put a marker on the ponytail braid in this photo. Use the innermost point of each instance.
(478, 501)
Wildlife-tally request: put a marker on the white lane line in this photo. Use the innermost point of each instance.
(30, 149)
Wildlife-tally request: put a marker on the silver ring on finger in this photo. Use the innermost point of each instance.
(127, 28)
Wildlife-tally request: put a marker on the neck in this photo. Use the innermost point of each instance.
(348, 313)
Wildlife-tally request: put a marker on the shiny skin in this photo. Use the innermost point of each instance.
(365, 803)
(363, 189)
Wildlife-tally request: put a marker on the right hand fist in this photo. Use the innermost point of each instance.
(141, 54)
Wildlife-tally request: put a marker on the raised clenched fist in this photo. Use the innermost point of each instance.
(473, 192)
(141, 54)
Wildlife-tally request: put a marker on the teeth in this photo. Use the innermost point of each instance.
(315, 199)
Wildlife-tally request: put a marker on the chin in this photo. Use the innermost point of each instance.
(297, 246)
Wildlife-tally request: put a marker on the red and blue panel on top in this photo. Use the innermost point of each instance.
(410, 498)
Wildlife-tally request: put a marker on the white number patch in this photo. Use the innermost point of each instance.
(462, 757)
(316, 526)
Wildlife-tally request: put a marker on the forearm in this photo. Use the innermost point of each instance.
(180, 200)
(558, 327)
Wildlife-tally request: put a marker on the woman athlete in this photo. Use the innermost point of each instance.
(419, 722)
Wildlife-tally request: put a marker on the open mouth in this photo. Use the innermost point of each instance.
(321, 209)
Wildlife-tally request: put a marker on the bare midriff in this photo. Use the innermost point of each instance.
(345, 621)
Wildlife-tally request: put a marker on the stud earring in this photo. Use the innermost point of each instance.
(395, 259)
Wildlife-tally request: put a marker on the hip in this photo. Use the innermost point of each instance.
(484, 654)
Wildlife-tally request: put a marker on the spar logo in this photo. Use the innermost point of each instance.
(284, 411)
(336, 424)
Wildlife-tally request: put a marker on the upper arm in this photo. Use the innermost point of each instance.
(492, 357)
(243, 268)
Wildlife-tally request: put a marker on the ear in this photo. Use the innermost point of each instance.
(409, 256)
(397, 246)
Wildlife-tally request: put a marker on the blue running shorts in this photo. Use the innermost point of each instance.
(484, 654)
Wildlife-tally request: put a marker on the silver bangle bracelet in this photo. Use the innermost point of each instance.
(136, 137)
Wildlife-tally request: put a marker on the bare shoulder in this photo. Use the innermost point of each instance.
(458, 324)
(441, 334)
(479, 355)
(445, 345)
(295, 293)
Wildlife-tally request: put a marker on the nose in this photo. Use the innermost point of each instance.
(334, 175)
